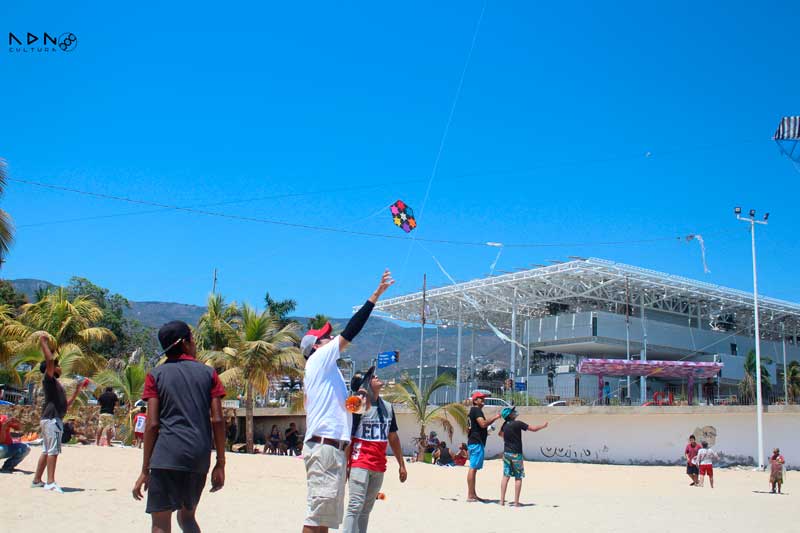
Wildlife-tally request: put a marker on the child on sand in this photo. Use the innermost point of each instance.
(705, 458)
(776, 462)
(513, 461)
(139, 422)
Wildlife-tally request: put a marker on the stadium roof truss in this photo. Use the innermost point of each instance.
(592, 285)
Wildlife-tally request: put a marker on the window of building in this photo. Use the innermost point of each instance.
(734, 349)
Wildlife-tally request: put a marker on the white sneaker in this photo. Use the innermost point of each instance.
(53, 487)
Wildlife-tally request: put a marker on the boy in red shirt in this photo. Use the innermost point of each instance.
(139, 422)
(373, 432)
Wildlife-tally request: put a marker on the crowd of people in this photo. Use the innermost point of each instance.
(286, 443)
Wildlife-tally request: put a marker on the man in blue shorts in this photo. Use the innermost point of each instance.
(476, 443)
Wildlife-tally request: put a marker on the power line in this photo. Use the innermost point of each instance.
(192, 210)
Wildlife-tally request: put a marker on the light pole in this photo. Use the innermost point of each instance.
(759, 423)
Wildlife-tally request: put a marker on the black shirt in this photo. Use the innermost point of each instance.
(69, 431)
(184, 388)
(512, 436)
(477, 434)
(107, 401)
(444, 457)
(291, 437)
(55, 399)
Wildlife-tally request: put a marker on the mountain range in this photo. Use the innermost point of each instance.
(378, 334)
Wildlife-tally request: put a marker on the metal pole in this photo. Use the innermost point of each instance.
(436, 358)
(528, 362)
(422, 332)
(759, 420)
(214, 285)
(643, 354)
(785, 382)
(513, 369)
(628, 329)
(458, 355)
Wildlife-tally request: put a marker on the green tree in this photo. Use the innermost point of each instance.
(279, 308)
(747, 387)
(793, 381)
(130, 381)
(264, 350)
(407, 394)
(318, 321)
(11, 297)
(112, 305)
(217, 327)
(6, 224)
(71, 325)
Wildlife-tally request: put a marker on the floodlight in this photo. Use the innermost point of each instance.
(737, 210)
(752, 213)
(766, 216)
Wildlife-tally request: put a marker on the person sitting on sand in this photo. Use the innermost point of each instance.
(12, 452)
(432, 443)
(513, 460)
(442, 455)
(705, 458)
(71, 432)
(273, 441)
(776, 462)
(461, 457)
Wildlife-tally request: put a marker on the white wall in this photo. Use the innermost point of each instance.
(639, 435)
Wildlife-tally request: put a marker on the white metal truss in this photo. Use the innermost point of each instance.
(594, 284)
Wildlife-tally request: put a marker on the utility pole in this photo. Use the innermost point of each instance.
(422, 331)
(759, 422)
(214, 285)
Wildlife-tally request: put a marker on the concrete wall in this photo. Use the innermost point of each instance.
(620, 435)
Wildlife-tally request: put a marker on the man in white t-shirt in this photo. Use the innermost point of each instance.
(328, 423)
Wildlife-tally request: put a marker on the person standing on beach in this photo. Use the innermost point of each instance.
(184, 407)
(513, 459)
(56, 406)
(373, 432)
(476, 443)
(690, 453)
(328, 423)
(108, 401)
(776, 462)
(705, 459)
(139, 423)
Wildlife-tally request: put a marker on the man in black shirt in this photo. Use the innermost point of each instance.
(476, 442)
(183, 408)
(55, 407)
(108, 400)
(513, 460)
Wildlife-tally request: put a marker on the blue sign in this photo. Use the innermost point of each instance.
(388, 358)
(520, 386)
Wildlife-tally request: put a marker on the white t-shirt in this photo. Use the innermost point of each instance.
(326, 392)
(705, 455)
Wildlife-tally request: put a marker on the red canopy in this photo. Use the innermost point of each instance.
(635, 367)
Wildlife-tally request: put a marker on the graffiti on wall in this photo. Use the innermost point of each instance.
(575, 453)
(706, 433)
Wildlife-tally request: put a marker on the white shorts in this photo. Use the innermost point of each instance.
(52, 430)
(326, 472)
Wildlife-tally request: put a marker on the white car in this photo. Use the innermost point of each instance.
(495, 402)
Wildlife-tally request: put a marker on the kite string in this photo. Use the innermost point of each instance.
(438, 157)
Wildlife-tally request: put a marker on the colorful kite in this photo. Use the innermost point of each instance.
(403, 216)
(787, 137)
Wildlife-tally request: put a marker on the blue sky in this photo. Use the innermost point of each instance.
(189, 105)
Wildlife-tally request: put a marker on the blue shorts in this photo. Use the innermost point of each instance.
(475, 456)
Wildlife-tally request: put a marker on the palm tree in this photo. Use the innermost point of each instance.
(747, 387)
(280, 308)
(264, 351)
(70, 324)
(216, 329)
(793, 381)
(407, 394)
(130, 381)
(318, 321)
(6, 224)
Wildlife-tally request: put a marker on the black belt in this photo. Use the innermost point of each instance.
(338, 444)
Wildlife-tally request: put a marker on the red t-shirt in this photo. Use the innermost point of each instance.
(5, 433)
(371, 438)
(139, 422)
(691, 453)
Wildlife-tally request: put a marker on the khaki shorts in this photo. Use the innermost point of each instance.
(106, 421)
(326, 474)
(52, 429)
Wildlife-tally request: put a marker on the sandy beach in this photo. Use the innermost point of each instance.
(267, 493)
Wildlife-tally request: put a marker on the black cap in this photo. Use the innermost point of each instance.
(360, 379)
(172, 333)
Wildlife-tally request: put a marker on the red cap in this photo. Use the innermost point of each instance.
(476, 395)
(321, 332)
